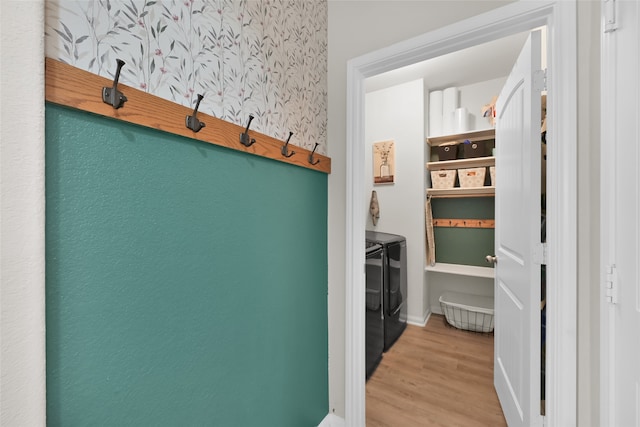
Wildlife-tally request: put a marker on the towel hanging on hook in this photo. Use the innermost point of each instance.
(374, 207)
(430, 238)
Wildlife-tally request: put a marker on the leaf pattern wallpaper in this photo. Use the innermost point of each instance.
(262, 57)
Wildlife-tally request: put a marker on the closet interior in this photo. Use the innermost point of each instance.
(442, 197)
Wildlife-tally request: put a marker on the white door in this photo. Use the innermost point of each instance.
(620, 198)
(517, 240)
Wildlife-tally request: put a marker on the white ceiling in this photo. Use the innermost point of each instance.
(476, 64)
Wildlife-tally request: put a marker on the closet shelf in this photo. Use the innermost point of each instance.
(458, 192)
(474, 162)
(462, 270)
(476, 135)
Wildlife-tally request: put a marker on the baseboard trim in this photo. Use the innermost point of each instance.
(332, 420)
(419, 321)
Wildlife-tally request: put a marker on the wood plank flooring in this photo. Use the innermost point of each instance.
(435, 376)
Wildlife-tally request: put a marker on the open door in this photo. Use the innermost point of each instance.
(517, 240)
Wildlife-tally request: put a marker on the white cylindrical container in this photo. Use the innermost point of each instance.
(435, 113)
(449, 105)
(461, 120)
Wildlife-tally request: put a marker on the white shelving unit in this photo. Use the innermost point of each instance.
(476, 135)
(462, 270)
(475, 162)
(480, 135)
(458, 192)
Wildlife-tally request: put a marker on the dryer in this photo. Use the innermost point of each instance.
(374, 319)
(394, 295)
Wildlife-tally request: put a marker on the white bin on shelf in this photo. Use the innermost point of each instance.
(443, 179)
(468, 312)
(472, 177)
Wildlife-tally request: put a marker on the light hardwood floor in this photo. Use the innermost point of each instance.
(435, 376)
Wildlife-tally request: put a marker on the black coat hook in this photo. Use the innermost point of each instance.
(284, 150)
(244, 137)
(111, 95)
(192, 121)
(311, 156)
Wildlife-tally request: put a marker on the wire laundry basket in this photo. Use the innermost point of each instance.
(469, 312)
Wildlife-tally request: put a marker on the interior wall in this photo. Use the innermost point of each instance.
(474, 96)
(378, 24)
(186, 282)
(267, 59)
(22, 269)
(397, 114)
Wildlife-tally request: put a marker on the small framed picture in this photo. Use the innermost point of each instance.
(384, 162)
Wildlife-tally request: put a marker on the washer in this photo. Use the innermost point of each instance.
(394, 294)
(374, 319)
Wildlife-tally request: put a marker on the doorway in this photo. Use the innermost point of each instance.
(561, 204)
(394, 110)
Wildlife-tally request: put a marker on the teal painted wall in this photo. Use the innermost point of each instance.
(468, 246)
(186, 283)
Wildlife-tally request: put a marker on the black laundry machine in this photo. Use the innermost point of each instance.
(374, 321)
(394, 286)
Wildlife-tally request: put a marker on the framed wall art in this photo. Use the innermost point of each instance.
(384, 162)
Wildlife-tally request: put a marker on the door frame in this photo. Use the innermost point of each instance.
(608, 96)
(617, 73)
(560, 17)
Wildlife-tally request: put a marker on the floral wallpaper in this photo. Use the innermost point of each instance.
(262, 57)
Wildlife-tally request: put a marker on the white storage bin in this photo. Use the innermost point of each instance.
(492, 173)
(443, 179)
(471, 177)
(468, 312)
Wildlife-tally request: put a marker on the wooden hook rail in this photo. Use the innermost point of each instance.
(464, 223)
(72, 87)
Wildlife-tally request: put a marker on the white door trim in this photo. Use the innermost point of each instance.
(607, 216)
(608, 64)
(620, 94)
(560, 17)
